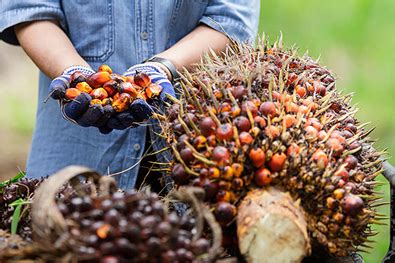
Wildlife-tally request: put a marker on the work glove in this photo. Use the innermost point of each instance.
(149, 77)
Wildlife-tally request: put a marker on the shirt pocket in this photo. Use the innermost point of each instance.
(185, 17)
(91, 27)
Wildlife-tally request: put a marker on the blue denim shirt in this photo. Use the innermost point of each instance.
(120, 34)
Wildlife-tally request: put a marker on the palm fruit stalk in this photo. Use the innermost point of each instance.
(264, 117)
(112, 226)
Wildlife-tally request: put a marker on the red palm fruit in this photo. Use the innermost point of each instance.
(203, 173)
(339, 136)
(335, 146)
(210, 189)
(72, 93)
(214, 173)
(351, 162)
(106, 101)
(207, 126)
(257, 156)
(311, 133)
(122, 103)
(343, 173)
(352, 204)
(105, 68)
(179, 174)
(95, 101)
(251, 106)
(293, 150)
(235, 111)
(211, 140)
(272, 131)
(292, 107)
(111, 87)
(238, 91)
(99, 93)
(242, 123)
(199, 142)
(153, 90)
(238, 169)
(98, 79)
(227, 173)
(187, 155)
(301, 91)
(142, 79)
(237, 184)
(76, 78)
(245, 138)
(127, 87)
(224, 196)
(339, 193)
(268, 109)
(224, 212)
(260, 122)
(262, 177)
(277, 161)
(83, 87)
(225, 107)
(221, 155)
(116, 96)
(322, 135)
(289, 120)
(225, 132)
(320, 157)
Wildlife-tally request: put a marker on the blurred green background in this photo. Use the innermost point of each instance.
(355, 39)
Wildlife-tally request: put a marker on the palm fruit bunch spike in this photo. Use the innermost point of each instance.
(130, 227)
(22, 190)
(104, 98)
(259, 117)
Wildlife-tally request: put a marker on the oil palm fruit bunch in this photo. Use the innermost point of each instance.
(22, 190)
(130, 227)
(105, 99)
(260, 117)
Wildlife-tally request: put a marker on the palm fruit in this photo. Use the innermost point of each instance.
(24, 190)
(265, 116)
(130, 227)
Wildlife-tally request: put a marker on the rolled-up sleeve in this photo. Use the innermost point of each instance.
(236, 18)
(13, 12)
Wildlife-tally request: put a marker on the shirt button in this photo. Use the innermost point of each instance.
(137, 146)
(144, 35)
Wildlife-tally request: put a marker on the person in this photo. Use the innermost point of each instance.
(64, 36)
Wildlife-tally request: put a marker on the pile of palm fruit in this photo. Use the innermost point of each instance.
(259, 117)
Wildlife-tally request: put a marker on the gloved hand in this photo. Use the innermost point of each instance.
(140, 110)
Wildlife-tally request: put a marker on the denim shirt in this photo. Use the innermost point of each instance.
(120, 34)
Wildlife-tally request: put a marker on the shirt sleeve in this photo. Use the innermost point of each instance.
(236, 18)
(14, 12)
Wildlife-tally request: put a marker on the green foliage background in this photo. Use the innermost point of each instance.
(356, 40)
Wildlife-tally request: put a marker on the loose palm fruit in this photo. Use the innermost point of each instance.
(106, 101)
(105, 68)
(131, 89)
(111, 87)
(76, 78)
(83, 87)
(72, 93)
(96, 101)
(122, 103)
(142, 79)
(99, 93)
(153, 90)
(98, 79)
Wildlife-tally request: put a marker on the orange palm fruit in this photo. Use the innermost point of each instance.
(83, 87)
(153, 90)
(99, 93)
(142, 79)
(257, 156)
(98, 79)
(129, 88)
(262, 177)
(277, 161)
(95, 101)
(72, 93)
(111, 87)
(122, 103)
(238, 169)
(106, 101)
(105, 68)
